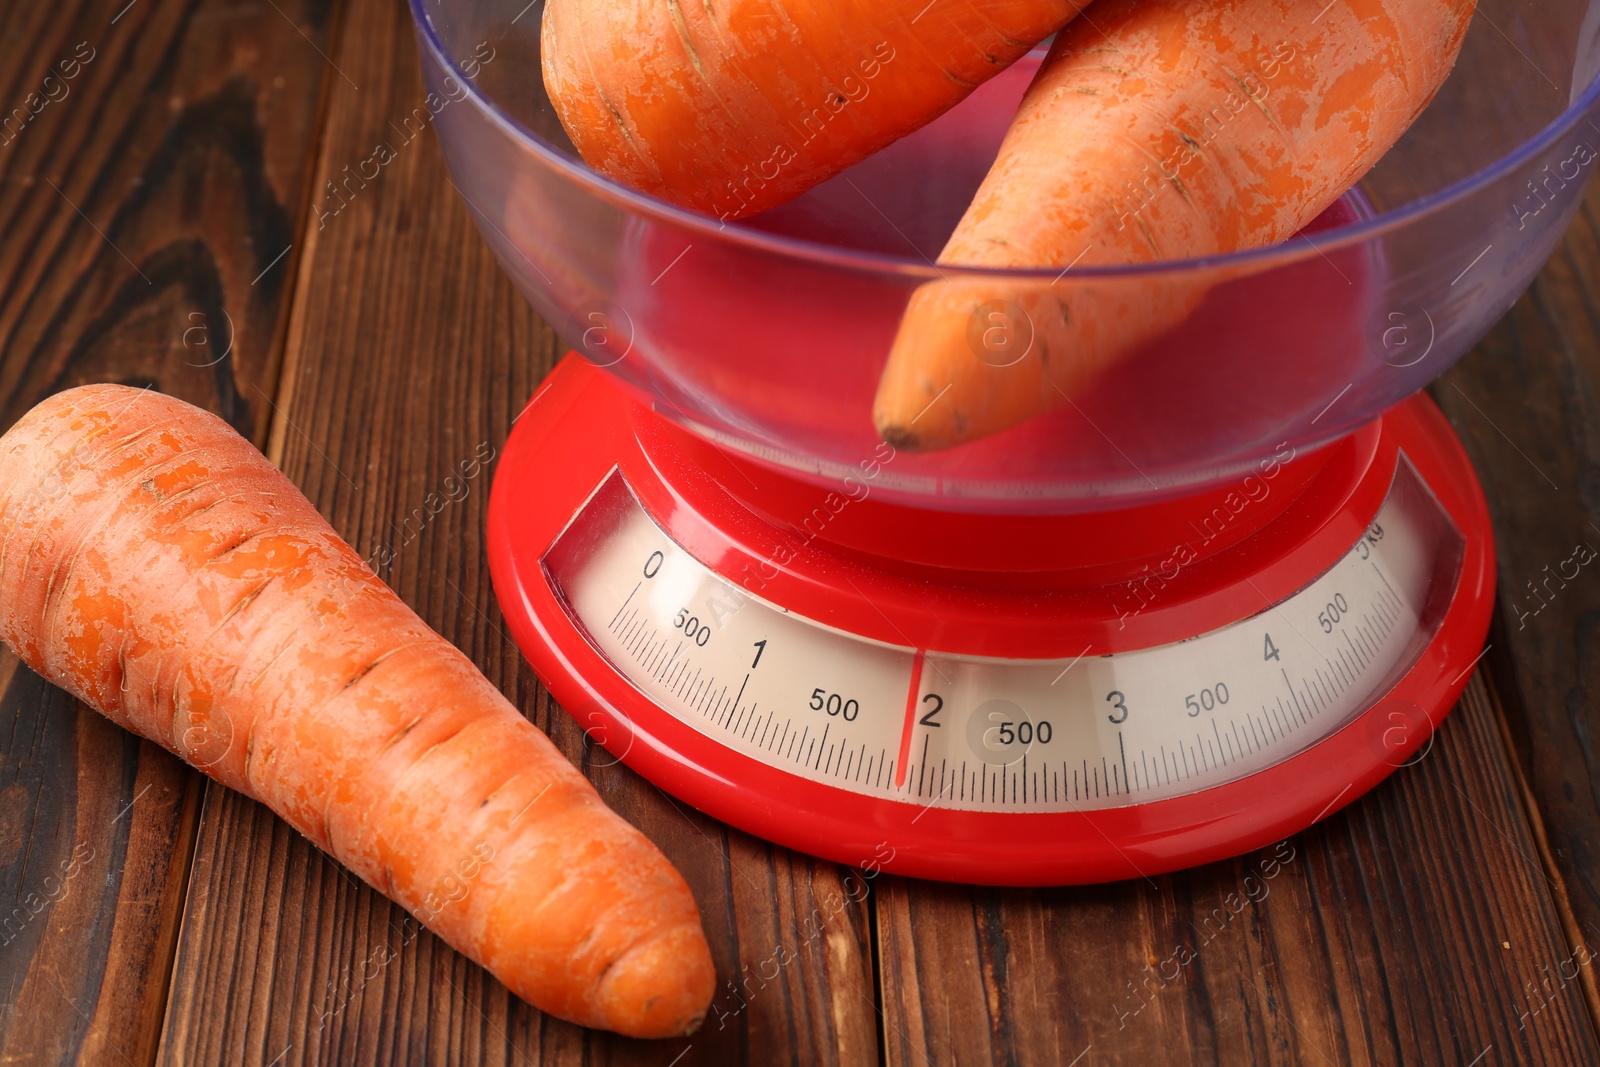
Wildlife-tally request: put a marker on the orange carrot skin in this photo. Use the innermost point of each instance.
(1155, 130)
(731, 107)
(159, 568)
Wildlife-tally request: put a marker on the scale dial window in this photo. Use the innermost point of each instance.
(934, 728)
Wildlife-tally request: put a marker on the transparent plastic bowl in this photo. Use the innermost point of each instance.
(769, 335)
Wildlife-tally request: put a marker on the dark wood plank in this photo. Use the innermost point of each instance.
(409, 353)
(1525, 405)
(155, 169)
(96, 841)
(1401, 930)
(147, 213)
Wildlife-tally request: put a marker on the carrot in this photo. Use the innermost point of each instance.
(156, 566)
(1154, 130)
(736, 106)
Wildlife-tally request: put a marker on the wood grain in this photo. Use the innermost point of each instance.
(95, 849)
(408, 353)
(1400, 930)
(1525, 406)
(146, 212)
(153, 171)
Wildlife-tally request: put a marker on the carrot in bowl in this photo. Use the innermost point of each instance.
(735, 106)
(159, 568)
(1155, 130)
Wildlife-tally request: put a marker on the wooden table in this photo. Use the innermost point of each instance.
(167, 222)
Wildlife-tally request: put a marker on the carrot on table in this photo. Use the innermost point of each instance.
(738, 106)
(159, 568)
(1155, 130)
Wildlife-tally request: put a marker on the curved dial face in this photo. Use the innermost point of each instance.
(935, 728)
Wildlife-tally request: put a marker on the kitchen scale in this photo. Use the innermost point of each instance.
(1205, 604)
(1035, 727)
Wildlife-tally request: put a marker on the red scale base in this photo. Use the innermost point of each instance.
(1027, 587)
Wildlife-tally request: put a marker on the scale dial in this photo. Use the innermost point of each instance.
(936, 728)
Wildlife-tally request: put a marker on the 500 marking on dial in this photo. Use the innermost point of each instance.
(932, 728)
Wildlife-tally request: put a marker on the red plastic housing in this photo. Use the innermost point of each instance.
(1024, 587)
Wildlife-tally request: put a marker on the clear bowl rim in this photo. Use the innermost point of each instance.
(820, 253)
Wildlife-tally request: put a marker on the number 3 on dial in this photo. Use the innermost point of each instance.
(1116, 700)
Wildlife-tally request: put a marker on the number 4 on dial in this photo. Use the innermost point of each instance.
(1269, 651)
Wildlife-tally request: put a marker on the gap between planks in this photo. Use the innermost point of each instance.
(189, 832)
(1547, 861)
(290, 332)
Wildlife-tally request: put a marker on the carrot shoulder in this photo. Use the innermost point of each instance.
(1155, 130)
(734, 106)
(156, 566)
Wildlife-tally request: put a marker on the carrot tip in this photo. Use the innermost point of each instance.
(661, 987)
(902, 438)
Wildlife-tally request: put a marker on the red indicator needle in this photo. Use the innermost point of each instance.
(911, 718)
